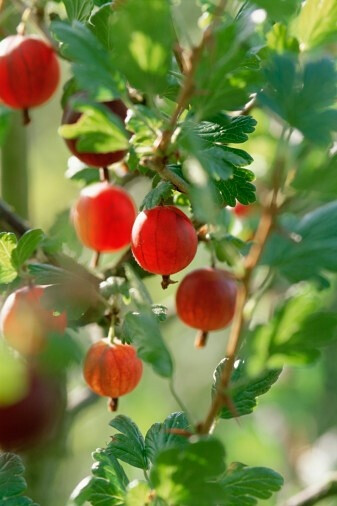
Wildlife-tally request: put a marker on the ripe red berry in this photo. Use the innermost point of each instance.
(29, 71)
(206, 298)
(25, 322)
(71, 116)
(103, 217)
(164, 240)
(31, 420)
(112, 370)
(242, 210)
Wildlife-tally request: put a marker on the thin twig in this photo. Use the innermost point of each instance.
(315, 494)
(261, 236)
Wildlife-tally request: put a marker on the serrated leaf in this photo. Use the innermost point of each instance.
(128, 445)
(107, 466)
(101, 24)
(161, 436)
(8, 243)
(92, 64)
(186, 475)
(239, 187)
(144, 38)
(78, 9)
(26, 246)
(97, 491)
(142, 329)
(12, 482)
(312, 252)
(295, 335)
(244, 390)
(316, 23)
(158, 195)
(297, 95)
(225, 130)
(244, 485)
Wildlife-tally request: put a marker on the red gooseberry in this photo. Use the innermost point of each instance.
(112, 370)
(103, 217)
(29, 72)
(242, 210)
(163, 240)
(206, 299)
(25, 322)
(32, 419)
(70, 116)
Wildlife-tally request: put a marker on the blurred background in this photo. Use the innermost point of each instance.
(293, 430)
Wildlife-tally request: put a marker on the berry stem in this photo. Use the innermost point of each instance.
(167, 281)
(201, 339)
(104, 174)
(25, 117)
(113, 404)
(95, 259)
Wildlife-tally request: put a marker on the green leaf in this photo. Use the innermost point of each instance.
(244, 485)
(78, 9)
(279, 10)
(159, 311)
(8, 243)
(128, 445)
(142, 329)
(98, 130)
(144, 39)
(244, 390)
(158, 195)
(239, 187)
(303, 96)
(161, 436)
(225, 130)
(92, 64)
(101, 24)
(26, 246)
(316, 23)
(279, 40)
(317, 173)
(186, 475)
(299, 328)
(107, 466)
(97, 491)
(12, 482)
(312, 252)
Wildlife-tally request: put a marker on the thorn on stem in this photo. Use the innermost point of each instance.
(201, 339)
(167, 281)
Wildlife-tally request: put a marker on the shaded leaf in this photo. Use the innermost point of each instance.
(128, 445)
(159, 437)
(12, 482)
(78, 9)
(158, 195)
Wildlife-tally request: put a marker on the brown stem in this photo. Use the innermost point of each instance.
(95, 259)
(201, 339)
(25, 117)
(166, 282)
(104, 174)
(113, 404)
(315, 494)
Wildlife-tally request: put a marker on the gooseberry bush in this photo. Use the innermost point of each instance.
(163, 92)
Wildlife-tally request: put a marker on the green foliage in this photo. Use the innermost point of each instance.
(129, 444)
(5, 116)
(245, 485)
(145, 45)
(12, 482)
(164, 435)
(176, 473)
(281, 10)
(303, 96)
(101, 24)
(13, 377)
(142, 329)
(158, 195)
(98, 130)
(300, 327)
(309, 250)
(8, 243)
(26, 246)
(78, 9)
(243, 389)
(316, 24)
